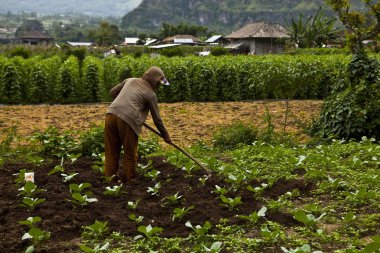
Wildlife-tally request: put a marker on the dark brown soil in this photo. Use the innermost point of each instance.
(65, 220)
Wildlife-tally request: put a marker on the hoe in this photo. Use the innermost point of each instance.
(182, 150)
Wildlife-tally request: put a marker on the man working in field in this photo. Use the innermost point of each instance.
(133, 99)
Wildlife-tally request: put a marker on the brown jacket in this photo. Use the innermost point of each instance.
(135, 97)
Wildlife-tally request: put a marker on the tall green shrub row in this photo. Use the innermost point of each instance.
(223, 78)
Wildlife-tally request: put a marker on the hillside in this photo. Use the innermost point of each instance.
(218, 15)
(89, 7)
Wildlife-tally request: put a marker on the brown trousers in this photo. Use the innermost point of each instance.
(117, 134)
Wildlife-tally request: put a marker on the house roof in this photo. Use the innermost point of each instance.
(234, 45)
(260, 30)
(150, 42)
(79, 44)
(36, 35)
(213, 38)
(163, 46)
(184, 38)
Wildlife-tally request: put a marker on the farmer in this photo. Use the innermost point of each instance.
(133, 99)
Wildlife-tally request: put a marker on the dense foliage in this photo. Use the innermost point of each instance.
(353, 109)
(224, 78)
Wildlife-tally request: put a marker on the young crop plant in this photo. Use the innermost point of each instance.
(29, 189)
(135, 218)
(31, 203)
(99, 165)
(114, 191)
(133, 205)
(308, 219)
(257, 190)
(154, 191)
(198, 229)
(231, 202)
(67, 178)
(81, 200)
(79, 187)
(96, 230)
(220, 190)
(172, 200)
(56, 169)
(216, 247)
(303, 249)
(148, 231)
(189, 168)
(37, 236)
(153, 174)
(97, 248)
(31, 221)
(254, 216)
(21, 177)
(179, 213)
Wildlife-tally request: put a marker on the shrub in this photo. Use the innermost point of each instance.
(92, 79)
(171, 52)
(20, 51)
(68, 87)
(353, 110)
(39, 85)
(231, 136)
(217, 51)
(10, 84)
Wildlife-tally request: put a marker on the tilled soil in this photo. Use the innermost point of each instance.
(65, 220)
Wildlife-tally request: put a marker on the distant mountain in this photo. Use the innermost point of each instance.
(222, 16)
(89, 7)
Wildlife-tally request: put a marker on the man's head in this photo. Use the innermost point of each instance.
(155, 77)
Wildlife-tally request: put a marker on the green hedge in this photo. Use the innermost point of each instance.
(223, 78)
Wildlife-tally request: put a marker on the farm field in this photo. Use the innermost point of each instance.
(186, 122)
(263, 197)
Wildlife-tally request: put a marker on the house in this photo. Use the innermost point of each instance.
(216, 40)
(111, 51)
(182, 39)
(259, 38)
(130, 41)
(35, 38)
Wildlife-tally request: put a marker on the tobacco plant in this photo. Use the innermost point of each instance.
(114, 191)
(96, 230)
(179, 213)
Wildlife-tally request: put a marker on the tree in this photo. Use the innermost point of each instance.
(169, 30)
(314, 31)
(29, 25)
(361, 24)
(107, 34)
(353, 108)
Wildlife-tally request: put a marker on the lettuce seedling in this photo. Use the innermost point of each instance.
(31, 202)
(231, 202)
(29, 189)
(67, 178)
(96, 230)
(30, 221)
(148, 231)
(198, 229)
(133, 205)
(153, 174)
(254, 217)
(136, 218)
(97, 248)
(80, 199)
(79, 187)
(114, 191)
(215, 247)
(180, 212)
(154, 190)
(36, 235)
(172, 200)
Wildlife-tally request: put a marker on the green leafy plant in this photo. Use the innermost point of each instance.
(135, 218)
(31, 221)
(172, 200)
(133, 205)
(153, 174)
(99, 164)
(81, 200)
(189, 168)
(307, 219)
(148, 231)
(214, 248)
(96, 230)
(36, 235)
(254, 216)
(57, 168)
(97, 248)
(303, 249)
(67, 178)
(198, 229)
(31, 202)
(79, 187)
(154, 190)
(179, 213)
(231, 202)
(220, 190)
(114, 191)
(29, 189)
(231, 136)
